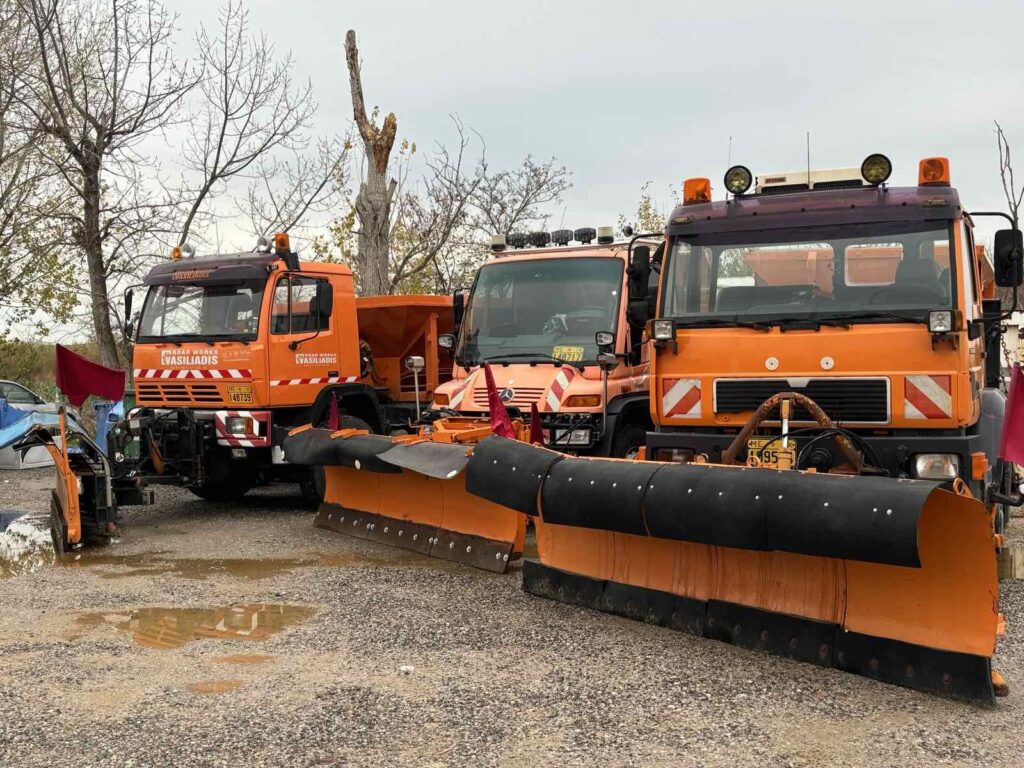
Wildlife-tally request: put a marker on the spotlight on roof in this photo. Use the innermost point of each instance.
(539, 239)
(516, 239)
(585, 235)
(561, 236)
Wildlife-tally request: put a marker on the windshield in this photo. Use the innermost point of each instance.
(195, 311)
(872, 271)
(541, 309)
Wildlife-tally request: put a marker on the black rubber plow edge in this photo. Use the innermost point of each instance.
(944, 673)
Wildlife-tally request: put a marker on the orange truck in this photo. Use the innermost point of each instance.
(539, 314)
(823, 481)
(233, 351)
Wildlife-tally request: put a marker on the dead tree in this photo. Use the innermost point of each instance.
(376, 190)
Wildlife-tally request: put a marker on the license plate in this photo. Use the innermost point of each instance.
(768, 449)
(240, 395)
(569, 354)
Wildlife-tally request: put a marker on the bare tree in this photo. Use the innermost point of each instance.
(250, 108)
(512, 199)
(285, 191)
(1013, 196)
(376, 191)
(106, 79)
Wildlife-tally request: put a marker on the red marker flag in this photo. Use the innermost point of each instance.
(1011, 441)
(501, 424)
(536, 430)
(78, 377)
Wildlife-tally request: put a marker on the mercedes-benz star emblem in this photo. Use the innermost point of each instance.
(507, 394)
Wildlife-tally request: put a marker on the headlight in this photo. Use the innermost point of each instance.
(573, 437)
(664, 330)
(875, 169)
(937, 466)
(238, 425)
(940, 321)
(738, 179)
(446, 341)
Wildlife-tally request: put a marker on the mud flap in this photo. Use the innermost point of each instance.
(895, 580)
(373, 493)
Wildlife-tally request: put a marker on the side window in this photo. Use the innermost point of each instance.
(688, 282)
(294, 307)
(970, 279)
(15, 394)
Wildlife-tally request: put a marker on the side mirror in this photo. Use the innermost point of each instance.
(128, 303)
(324, 299)
(129, 330)
(446, 341)
(1006, 256)
(639, 272)
(607, 361)
(458, 307)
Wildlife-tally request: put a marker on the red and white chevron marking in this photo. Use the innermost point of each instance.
(258, 438)
(681, 398)
(314, 380)
(168, 373)
(556, 393)
(927, 397)
(459, 394)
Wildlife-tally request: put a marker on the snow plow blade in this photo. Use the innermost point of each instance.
(409, 492)
(892, 579)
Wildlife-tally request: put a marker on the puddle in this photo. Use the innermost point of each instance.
(246, 659)
(215, 686)
(174, 627)
(25, 545)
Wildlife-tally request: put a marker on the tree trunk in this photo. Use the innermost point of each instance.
(92, 245)
(376, 193)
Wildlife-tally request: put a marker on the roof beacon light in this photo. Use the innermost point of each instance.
(188, 251)
(175, 253)
(585, 235)
(738, 179)
(605, 235)
(561, 236)
(516, 239)
(933, 171)
(696, 191)
(876, 169)
(281, 243)
(262, 244)
(539, 239)
(498, 243)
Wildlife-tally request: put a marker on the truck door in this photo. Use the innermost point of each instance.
(304, 344)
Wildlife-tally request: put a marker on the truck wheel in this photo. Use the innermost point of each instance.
(313, 483)
(628, 440)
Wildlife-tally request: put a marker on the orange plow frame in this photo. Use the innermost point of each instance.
(369, 496)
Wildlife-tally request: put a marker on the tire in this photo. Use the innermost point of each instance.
(628, 440)
(313, 483)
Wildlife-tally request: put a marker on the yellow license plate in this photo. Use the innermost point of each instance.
(569, 354)
(240, 395)
(768, 449)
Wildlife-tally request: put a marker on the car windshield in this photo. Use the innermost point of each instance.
(197, 311)
(868, 272)
(542, 309)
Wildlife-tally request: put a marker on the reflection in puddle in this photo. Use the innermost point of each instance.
(25, 546)
(174, 627)
(215, 686)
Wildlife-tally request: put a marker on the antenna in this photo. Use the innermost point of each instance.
(808, 159)
(728, 162)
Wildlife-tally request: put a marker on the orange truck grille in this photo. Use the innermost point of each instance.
(844, 399)
(177, 392)
(521, 396)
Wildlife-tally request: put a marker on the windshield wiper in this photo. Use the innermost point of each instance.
(721, 322)
(879, 315)
(806, 323)
(541, 355)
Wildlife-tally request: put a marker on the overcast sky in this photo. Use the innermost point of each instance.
(623, 93)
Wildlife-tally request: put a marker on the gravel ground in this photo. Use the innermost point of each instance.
(408, 661)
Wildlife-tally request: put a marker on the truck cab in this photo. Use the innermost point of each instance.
(870, 300)
(533, 314)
